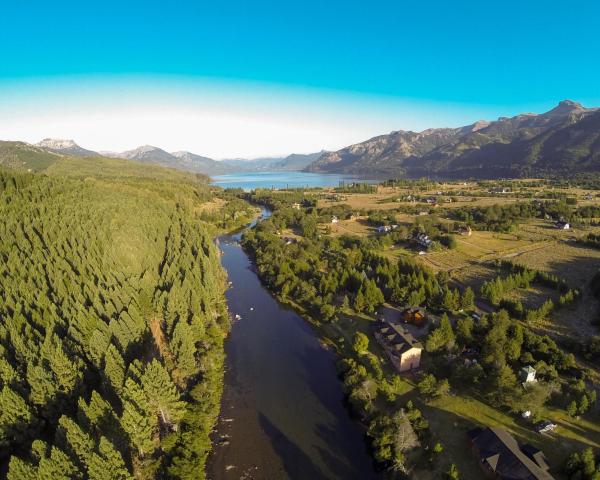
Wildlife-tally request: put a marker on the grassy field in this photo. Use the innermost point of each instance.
(452, 416)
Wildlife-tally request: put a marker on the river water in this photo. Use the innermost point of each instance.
(282, 413)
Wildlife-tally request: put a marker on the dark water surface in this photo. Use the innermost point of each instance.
(282, 410)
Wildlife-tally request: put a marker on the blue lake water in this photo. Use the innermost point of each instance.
(254, 180)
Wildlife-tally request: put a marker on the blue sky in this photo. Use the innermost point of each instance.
(394, 64)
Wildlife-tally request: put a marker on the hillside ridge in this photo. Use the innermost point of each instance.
(527, 143)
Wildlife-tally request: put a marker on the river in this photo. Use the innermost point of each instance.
(282, 413)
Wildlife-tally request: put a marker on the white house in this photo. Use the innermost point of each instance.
(527, 374)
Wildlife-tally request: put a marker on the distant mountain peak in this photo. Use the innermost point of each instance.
(57, 143)
(64, 146)
(145, 149)
(566, 107)
(181, 153)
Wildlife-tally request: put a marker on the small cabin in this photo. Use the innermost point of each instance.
(422, 240)
(465, 230)
(527, 374)
(562, 225)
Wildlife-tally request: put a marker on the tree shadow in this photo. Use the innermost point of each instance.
(345, 434)
(296, 463)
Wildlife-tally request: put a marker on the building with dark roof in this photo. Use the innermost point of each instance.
(403, 350)
(502, 457)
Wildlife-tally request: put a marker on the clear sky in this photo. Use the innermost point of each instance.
(270, 77)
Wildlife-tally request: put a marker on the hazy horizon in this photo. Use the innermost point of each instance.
(269, 80)
(118, 114)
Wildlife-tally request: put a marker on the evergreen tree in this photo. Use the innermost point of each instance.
(359, 301)
(137, 418)
(162, 395)
(57, 466)
(107, 464)
(75, 441)
(15, 417)
(20, 470)
(114, 368)
(467, 300)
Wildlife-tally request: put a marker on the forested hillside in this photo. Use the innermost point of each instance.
(112, 321)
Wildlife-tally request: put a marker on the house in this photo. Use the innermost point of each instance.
(422, 240)
(545, 427)
(499, 190)
(334, 219)
(289, 240)
(465, 230)
(403, 350)
(562, 225)
(527, 374)
(502, 457)
(296, 206)
(414, 315)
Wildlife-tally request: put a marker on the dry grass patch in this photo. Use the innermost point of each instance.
(575, 263)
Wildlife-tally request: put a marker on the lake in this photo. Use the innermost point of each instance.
(252, 180)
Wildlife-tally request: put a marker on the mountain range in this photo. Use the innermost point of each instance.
(565, 139)
(183, 160)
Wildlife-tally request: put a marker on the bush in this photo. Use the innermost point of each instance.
(449, 241)
(360, 343)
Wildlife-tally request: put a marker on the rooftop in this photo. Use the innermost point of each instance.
(399, 339)
(510, 461)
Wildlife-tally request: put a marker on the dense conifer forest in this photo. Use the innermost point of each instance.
(112, 320)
